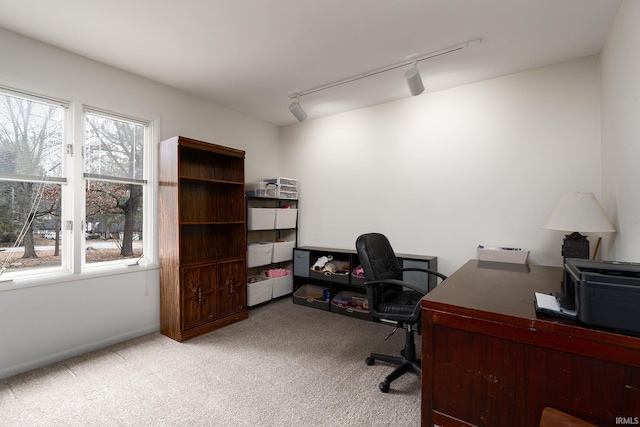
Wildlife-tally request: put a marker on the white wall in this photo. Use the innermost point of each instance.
(621, 132)
(42, 324)
(443, 172)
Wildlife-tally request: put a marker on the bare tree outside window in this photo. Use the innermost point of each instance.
(31, 156)
(114, 150)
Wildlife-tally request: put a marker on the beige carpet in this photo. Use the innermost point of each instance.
(287, 365)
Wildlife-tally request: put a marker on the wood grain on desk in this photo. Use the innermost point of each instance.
(490, 359)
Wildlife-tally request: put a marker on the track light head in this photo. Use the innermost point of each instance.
(297, 111)
(414, 81)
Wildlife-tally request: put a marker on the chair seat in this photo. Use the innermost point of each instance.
(404, 303)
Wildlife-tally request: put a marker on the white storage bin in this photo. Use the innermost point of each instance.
(282, 282)
(259, 290)
(283, 251)
(282, 286)
(286, 218)
(261, 218)
(259, 254)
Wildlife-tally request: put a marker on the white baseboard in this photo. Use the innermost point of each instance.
(76, 351)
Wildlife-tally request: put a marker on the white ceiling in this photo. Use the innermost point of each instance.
(249, 55)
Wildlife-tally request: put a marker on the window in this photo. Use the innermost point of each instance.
(45, 186)
(31, 178)
(114, 171)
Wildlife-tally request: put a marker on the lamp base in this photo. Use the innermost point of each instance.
(574, 245)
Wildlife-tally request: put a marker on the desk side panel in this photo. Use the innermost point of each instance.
(427, 369)
(487, 380)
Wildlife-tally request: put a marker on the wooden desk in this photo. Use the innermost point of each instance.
(488, 359)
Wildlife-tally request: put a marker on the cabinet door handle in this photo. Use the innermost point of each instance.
(231, 286)
(199, 294)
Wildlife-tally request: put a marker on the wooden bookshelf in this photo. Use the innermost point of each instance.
(202, 237)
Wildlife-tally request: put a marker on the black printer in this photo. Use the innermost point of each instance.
(607, 293)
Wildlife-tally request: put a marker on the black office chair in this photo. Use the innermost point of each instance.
(392, 299)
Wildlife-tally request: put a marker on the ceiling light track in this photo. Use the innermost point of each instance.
(409, 61)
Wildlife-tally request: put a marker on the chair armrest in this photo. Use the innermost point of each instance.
(425, 270)
(396, 282)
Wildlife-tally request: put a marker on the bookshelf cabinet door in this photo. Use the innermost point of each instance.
(198, 295)
(232, 288)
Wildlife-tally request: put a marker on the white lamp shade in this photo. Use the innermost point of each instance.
(579, 212)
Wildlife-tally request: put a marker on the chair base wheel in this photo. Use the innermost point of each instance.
(408, 362)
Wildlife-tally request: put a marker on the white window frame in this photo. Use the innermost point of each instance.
(146, 186)
(73, 266)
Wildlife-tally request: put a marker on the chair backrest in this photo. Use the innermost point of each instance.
(379, 262)
(554, 418)
(377, 257)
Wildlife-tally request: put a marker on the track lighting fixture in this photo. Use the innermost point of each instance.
(414, 80)
(297, 110)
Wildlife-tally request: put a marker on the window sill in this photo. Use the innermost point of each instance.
(64, 276)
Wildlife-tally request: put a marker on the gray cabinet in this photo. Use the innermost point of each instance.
(416, 277)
